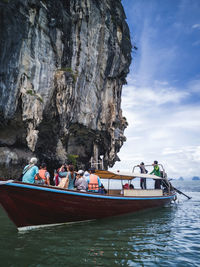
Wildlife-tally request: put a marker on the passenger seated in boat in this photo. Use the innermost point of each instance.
(30, 171)
(56, 178)
(81, 182)
(86, 173)
(71, 176)
(125, 186)
(69, 180)
(94, 182)
(62, 168)
(43, 177)
(60, 173)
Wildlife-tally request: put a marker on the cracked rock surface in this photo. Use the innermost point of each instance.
(62, 68)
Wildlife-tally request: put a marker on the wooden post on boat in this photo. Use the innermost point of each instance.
(108, 186)
(101, 163)
(94, 164)
(122, 186)
(91, 162)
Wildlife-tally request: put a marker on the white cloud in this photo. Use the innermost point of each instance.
(197, 43)
(194, 86)
(157, 94)
(160, 105)
(161, 128)
(196, 154)
(196, 26)
(171, 151)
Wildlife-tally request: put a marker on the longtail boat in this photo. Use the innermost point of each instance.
(31, 205)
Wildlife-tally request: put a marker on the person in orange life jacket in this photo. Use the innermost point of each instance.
(43, 176)
(94, 182)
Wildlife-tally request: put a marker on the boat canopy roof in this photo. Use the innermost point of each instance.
(118, 175)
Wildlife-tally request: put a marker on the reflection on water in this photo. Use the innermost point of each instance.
(160, 237)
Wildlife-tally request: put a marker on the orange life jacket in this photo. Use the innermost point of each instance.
(41, 175)
(93, 184)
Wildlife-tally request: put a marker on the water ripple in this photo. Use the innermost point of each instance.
(168, 236)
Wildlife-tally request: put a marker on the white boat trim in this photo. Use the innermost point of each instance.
(6, 182)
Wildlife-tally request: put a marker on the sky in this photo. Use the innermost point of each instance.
(161, 100)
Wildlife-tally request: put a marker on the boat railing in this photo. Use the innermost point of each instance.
(97, 164)
(150, 165)
(164, 175)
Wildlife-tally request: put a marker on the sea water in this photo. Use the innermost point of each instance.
(167, 236)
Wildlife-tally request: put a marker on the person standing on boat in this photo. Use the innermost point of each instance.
(30, 171)
(156, 171)
(143, 183)
(94, 182)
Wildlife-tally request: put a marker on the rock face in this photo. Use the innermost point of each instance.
(62, 67)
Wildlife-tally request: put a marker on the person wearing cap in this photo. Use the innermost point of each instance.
(94, 182)
(30, 171)
(143, 183)
(80, 182)
(156, 171)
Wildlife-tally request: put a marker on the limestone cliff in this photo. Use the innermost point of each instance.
(62, 67)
